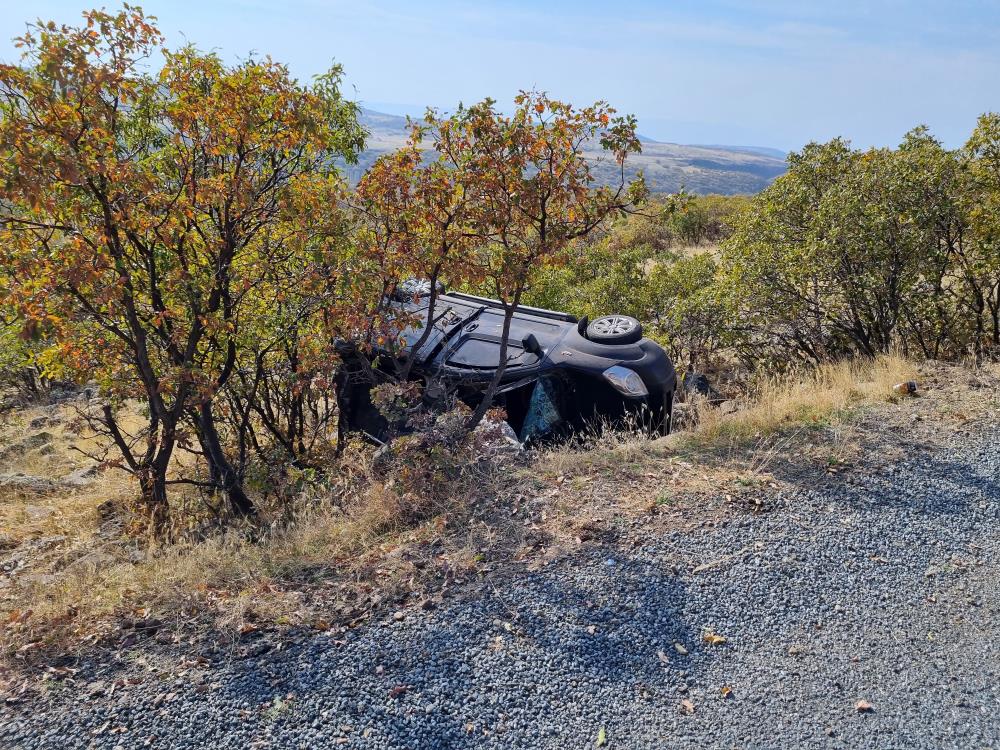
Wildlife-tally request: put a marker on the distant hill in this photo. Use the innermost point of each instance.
(668, 166)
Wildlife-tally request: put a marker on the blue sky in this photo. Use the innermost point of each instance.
(766, 72)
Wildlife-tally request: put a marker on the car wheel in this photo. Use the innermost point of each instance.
(614, 329)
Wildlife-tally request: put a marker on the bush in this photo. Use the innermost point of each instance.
(432, 448)
(635, 269)
(20, 376)
(707, 219)
(689, 315)
(850, 252)
(608, 274)
(866, 252)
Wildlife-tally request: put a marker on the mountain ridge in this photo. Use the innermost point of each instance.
(667, 167)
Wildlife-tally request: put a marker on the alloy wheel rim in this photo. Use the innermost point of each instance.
(613, 324)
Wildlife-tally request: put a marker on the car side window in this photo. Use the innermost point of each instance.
(544, 414)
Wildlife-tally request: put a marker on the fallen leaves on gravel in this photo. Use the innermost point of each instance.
(863, 707)
(163, 698)
(602, 738)
(712, 638)
(726, 691)
(398, 690)
(687, 706)
(679, 648)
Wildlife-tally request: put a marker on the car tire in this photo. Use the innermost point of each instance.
(614, 329)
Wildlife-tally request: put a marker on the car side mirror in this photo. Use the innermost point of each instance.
(581, 327)
(530, 344)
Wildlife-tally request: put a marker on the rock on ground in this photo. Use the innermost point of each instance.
(863, 614)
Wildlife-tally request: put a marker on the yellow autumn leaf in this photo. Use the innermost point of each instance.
(713, 638)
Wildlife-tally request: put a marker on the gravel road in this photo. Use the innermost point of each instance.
(859, 614)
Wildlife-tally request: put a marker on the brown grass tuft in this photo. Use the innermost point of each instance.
(821, 396)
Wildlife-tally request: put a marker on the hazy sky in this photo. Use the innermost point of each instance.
(765, 72)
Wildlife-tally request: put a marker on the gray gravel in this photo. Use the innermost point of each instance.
(882, 587)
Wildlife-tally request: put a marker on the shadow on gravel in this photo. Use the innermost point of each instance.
(926, 484)
(609, 626)
(500, 663)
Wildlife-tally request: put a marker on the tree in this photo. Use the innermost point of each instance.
(867, 251)
(533, 191)
(416, 214)
(135, 208)
(981, 265)
(768, 267)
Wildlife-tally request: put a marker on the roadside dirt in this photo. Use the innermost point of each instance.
(545, 508)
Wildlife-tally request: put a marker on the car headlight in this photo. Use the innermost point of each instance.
(626, 381)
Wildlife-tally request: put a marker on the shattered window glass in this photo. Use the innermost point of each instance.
(543, 412)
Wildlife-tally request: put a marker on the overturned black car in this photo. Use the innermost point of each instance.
(563, 375)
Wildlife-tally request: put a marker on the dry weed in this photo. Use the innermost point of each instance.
(815, 397)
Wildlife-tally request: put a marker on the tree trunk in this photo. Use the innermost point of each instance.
(220, 469)
(491, 389)
(153, 486)
(993, 303)
(343, 405)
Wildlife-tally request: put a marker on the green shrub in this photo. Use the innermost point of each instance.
(19, 372)
(690, 316)
(869, 251)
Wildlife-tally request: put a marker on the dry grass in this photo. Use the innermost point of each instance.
(343, 553)
(820, 396)
(783, 429)
(52, 449)
(230, 579)
(329, 555)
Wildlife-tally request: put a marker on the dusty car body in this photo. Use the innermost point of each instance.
(563, 375)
